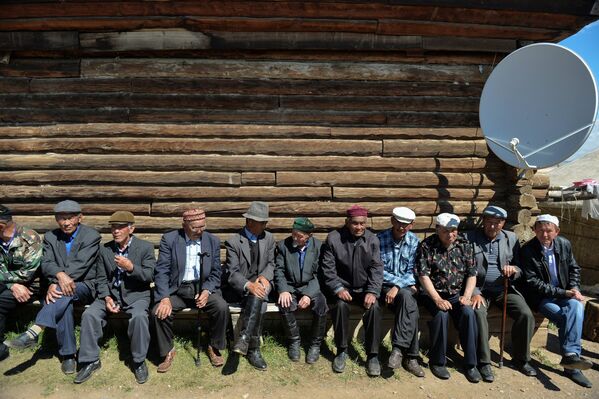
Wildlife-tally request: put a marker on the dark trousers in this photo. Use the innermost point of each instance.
(318, 304)
(405, 325)
(216, 307)
(522, 329)
(7, 304)
(59, 315)
(93, 322)
(465, 321)
(371, 319)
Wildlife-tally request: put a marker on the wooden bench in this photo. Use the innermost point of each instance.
(185, 322)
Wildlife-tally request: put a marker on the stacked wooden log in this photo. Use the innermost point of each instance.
(311, 106)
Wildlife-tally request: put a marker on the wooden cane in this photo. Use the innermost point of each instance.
(503, 317)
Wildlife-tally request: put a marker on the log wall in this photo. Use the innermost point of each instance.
(311, 106)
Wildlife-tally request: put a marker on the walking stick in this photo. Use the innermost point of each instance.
(503, 316)
(198, 287)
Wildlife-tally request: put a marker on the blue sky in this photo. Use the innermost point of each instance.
(586, 44)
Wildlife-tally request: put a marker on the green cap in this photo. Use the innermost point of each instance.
(303, 224)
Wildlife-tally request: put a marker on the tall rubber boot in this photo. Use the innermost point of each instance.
(319, 327)
(293, 333)
(251, 314)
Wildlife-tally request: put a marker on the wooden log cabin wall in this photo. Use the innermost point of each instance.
(312, 106)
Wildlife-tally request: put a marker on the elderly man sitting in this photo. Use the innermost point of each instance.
(553, 278)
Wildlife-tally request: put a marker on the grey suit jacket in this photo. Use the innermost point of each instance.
(172, 256)
(80, 264)
(509, 248)
(287, 271)
(239, 259)
(134, 285)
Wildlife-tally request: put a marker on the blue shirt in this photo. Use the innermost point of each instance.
(550, 258)
(68, 240)
(301, 253)
(125, 253)
(250, 236)
(398, 258)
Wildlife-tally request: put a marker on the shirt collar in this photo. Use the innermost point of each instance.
(70, 238)
(189, 241)
(118, 248)
(250, 236)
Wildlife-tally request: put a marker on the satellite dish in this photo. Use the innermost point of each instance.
(538, 106)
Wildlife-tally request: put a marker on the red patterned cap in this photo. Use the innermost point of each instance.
(356, 210)
(194, 214)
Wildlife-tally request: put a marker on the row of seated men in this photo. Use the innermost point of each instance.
(450, 274)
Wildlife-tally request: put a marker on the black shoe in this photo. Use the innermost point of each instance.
(411, 365)
(141, 372)
(575, 362)
(313, 354)
(255, 359)
(373, 366)
(69, 365)
(23, 341)
(86, 371)
(526, 369)
(579, 378)
(440, 372)
(473, 375)
(486, 373)
(395, 359)
(4, 352)
(339, 361)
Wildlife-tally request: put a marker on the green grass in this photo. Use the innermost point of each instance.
(541, 357)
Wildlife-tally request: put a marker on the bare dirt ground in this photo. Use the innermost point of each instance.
(25, 375)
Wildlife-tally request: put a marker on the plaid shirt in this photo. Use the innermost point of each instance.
(446, 267)
(398, 258)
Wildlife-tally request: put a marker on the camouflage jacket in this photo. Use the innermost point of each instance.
(446, 267)
(23, 258)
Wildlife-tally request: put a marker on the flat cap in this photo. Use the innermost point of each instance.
(448, 220)
(495, 211)
(121, 217)
(303, 224)
(548, 218)
(403, 214)
(67, 206)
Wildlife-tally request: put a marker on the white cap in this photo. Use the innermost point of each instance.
(448, 220)
(548, 218)
(403, 214)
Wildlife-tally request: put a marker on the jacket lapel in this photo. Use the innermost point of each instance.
(205, 261)
(309, 259)
(245, 248)
(180, 253)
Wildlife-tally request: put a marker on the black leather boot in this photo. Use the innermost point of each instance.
(319, 327)
(253, 355)
(294, 336)
(252, 312)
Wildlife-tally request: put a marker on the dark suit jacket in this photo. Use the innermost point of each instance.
(509, 254)
(287, 270)
(80, 265)
(354, 264)
(170, 267)
(239, 259)
(134, 285)
(536, 270)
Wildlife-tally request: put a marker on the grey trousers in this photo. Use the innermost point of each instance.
(405, 325)
(93, 322)
(522, 329)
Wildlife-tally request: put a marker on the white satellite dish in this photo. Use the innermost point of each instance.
(538, 107)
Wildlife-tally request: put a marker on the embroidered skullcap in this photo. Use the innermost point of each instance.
(194, 214)
(356, 210)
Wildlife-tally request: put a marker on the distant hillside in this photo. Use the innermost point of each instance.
(583, 168)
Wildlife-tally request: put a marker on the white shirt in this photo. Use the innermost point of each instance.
(193, 249)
